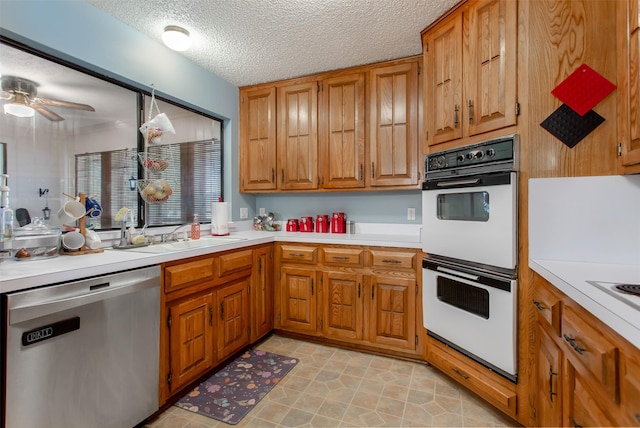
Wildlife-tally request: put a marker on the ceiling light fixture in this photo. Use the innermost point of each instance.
(176, 38)
(19, 107)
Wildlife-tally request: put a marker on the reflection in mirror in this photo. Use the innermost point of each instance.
(42, 149)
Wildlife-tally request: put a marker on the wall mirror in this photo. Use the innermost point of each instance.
(56, 145)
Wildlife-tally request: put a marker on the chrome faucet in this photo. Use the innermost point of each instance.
(167, 237)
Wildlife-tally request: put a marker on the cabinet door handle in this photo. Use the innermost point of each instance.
(373, 289)
(373, 170)
(361, 171)
(539, 305)
(456, 118)
(459, 373)
(273, 174)
(470, 109)
(222, 310)
(358, 290)
(312, 287)
(259, 266)
(551, 375)
(574, 345)
(211, 315)
(282, 175)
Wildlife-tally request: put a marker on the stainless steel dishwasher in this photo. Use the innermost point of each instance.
(84, 353)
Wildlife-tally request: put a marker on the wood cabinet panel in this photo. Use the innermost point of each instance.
(262, 292)
(393, 259)
(297, 136)
(298, 307)
(592, 349)
(258, 139)
(342, 305)
(191, 351)
(343, 256)
(581, 406)
(393, 125)
(548, 307)
(298, 253)
(232, 332)
(393, 312)
(185, 274)
(234, 262)
(630, 388)
(342, 132)
(549, 377)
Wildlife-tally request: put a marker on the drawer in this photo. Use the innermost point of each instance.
(590, 348)
(185, 274)
(630, 389)
(230, 263)
(298, 253)
(393, 259)
(548, 306)
(343, 256)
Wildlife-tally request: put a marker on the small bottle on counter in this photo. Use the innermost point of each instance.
(195, 228)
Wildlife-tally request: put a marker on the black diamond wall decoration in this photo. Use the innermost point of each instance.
(569, 127)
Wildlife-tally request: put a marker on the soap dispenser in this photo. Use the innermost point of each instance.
(195, 228)
(6, 213)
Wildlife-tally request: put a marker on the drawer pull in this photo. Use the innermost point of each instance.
(574, 345)
(551, 375)
(393, 261)
(539, 305)
(340, 258)
(459, 373)
(296, 255)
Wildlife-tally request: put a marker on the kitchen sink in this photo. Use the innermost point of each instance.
(169, 247)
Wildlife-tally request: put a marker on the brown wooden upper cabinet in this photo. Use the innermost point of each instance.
(393, 124)
(258, 139)
(628, 36)
(470, 71)
(352, 129)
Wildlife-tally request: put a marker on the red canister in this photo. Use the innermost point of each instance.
(292, 225)
(322, 223)
(338, 222)
(306, 224)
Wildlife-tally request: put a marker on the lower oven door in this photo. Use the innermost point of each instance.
(473, 313)
(462, 216)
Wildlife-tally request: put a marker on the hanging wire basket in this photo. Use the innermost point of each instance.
(152, 162)
(155, 191)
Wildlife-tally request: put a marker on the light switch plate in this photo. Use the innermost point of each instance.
(411, 213)
(244, 213)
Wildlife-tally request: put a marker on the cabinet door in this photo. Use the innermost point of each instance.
(393, 125)
(191, 339)
(581, 407)
(630, 388)
(549, 380)
(442, 58)
(342, 137)
(232, 332)
(262, 292)
(298, 136)
(490, 65)
(342, 306)
(258, 139)
(628, 35)
(393, 311)
(298, 299)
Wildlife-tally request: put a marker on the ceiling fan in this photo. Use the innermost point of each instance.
(22, 94)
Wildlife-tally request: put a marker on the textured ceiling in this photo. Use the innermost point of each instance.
(253, 41)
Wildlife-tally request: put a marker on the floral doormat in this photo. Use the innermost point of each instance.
(232, 392)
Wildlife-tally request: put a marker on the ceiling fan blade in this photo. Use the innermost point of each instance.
(64, 104)
(46, 112)
(4, 95)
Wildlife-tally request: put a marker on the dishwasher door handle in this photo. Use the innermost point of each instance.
(38, 309)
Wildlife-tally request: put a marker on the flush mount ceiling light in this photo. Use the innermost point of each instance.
(19, 107)
(176, 38)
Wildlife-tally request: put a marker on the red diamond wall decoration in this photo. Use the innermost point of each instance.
(583, 89)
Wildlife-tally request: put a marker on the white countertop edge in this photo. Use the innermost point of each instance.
(571, 278)
(22, 275)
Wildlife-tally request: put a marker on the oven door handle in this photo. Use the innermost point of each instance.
(456, 273)
(458, 183)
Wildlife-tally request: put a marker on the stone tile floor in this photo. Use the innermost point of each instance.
(332, 387)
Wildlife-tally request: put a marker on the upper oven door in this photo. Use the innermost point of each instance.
(472, 218)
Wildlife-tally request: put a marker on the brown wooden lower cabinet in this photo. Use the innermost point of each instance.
(209, 312)
(587, 375)
(353, 295)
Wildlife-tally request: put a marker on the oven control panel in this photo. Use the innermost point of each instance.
(488, 156)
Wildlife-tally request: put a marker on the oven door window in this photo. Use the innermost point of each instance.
(464, 296)
(468, 206)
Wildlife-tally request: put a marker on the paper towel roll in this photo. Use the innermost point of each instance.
(220, 218)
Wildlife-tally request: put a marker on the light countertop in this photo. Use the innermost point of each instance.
(19, 275)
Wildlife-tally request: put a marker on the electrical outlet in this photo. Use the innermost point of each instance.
(411, 213)
(244, 213)
(262, 211)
